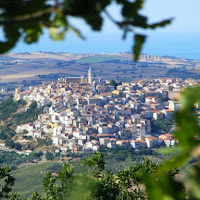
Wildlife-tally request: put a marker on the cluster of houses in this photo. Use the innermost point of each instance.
(84, 116)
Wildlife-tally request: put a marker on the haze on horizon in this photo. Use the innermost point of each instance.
(180, 39)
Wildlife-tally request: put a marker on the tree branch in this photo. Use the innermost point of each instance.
(30, 16)
(111, 18)
(123, 25)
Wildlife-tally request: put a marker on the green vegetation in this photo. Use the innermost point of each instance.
(8, 106)
(29, 179)
(13, 145)
(126, 157)
(11, 117)
(49, 155)
(29, 116)
(6, 133)
(94, 183)
(6, 182)
(162, 125)
(55, 167)
(44, 142)
(99, 58)
(8, 109)
(114, 83)
(13, 159)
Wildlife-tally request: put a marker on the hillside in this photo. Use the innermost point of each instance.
(15, 113)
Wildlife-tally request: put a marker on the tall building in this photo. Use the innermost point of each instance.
(90, 78)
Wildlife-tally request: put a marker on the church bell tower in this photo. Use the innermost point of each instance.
(90, 78)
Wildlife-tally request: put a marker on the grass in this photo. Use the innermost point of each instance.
(99, 58)
(29, 179)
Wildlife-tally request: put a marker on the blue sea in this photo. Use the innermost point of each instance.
(185, 45)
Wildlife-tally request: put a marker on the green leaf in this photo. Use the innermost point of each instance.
(12, 36)
(55, 34)
(160, 24)
(33, 34)
(139, 41)
(139, 4)
(130, 9)
(139, 21)
(59, 21)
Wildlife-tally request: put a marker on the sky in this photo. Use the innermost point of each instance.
(180, 39)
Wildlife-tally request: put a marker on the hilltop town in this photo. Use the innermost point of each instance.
(86, 114)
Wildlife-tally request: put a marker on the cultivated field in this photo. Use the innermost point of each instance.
(30, 178)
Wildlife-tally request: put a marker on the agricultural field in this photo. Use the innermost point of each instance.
(29, 179)
(35, 67)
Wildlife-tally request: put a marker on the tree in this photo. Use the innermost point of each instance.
(162, 125)
(10, 144)
(113, 83)
(33, 106)
(26, 20)
(6, 182)
(49, 155)
(18, 146)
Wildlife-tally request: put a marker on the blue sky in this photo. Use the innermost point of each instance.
(180, 39)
